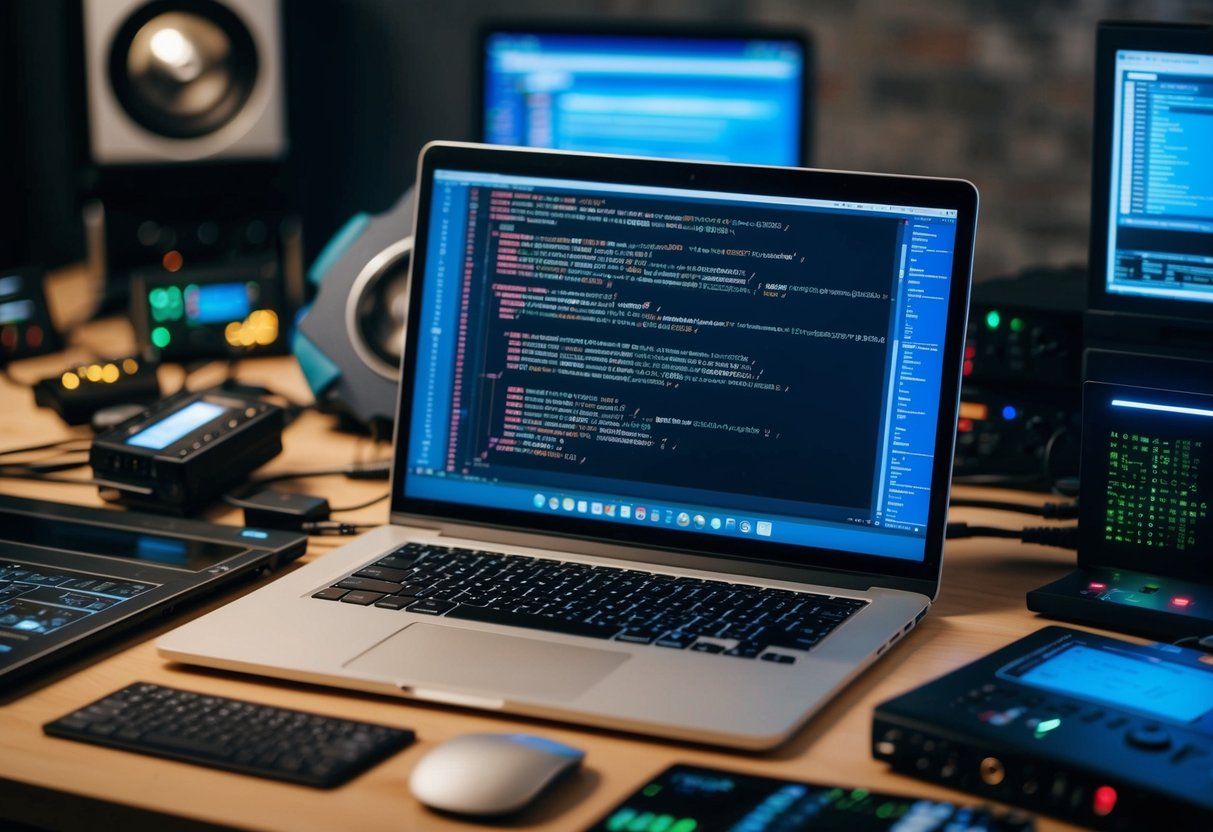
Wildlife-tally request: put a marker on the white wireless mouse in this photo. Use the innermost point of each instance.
(490, 774)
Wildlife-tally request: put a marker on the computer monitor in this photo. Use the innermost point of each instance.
(1151, 257)
(735, 96)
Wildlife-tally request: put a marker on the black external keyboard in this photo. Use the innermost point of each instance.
(603, 602)
(231, 734)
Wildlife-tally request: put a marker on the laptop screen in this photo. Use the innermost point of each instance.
(720, 368)
(734, 98)
(1147, 480)
(1152, 206)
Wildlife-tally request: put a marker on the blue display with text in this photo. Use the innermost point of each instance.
(710, 362)
(718, 99)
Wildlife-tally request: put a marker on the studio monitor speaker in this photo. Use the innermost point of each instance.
(184, 80)
(188, 141)
(349, 342)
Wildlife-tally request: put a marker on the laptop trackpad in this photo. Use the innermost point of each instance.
(425, 655)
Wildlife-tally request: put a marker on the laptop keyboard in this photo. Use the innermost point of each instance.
(602, 602)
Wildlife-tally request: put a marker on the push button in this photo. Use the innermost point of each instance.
(1148, 738)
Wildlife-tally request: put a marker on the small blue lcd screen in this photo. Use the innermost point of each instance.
(712, 99)
(1161, 688)
(217, 303)
(168, 430)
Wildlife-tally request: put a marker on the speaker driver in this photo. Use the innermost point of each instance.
(349, 342)
(183, 69)
(379, 307)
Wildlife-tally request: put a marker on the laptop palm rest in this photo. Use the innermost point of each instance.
(423, 656)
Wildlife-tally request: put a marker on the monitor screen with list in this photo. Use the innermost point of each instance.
(736, 97)
(1152, 201)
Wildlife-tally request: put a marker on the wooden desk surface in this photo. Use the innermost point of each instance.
(54, 783)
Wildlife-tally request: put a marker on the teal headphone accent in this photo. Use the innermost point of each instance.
(348, 341)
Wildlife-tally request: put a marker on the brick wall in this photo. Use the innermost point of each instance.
(996, 91)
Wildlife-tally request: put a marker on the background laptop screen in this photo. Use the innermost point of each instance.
(754, 367)
(733, 99)
(1160, 208)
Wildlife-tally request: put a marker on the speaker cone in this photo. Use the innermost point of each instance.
(379, 308)
(183, 69)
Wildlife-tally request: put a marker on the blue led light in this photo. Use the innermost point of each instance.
(1009, 412)
(1165, 408)
(256, 533)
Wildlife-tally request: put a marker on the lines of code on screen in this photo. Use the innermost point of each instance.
(735, 349)
(1155, 494)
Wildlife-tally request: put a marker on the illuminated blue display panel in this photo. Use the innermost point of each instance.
(750, 367)
(1123, 678)
(160, 435)
(715, 99)
(1160, 207)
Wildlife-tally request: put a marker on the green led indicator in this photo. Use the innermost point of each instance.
(662, 823)
(859, 794)
(641, 822)
(652, 790)
(885, 810)
(684, 825)
(1046, 726)
(993, 319)
(161, 337)
(1017, 324)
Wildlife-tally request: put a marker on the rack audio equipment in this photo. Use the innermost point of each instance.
(1020, 410)
(1091, 729)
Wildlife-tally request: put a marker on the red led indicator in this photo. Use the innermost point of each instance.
(1104, 801)
(970, 351)
(33, 336)
(1180, 601)
(1098, 587)
(964, 425)
(968, 369)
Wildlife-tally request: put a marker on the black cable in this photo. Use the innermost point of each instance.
(358, 471)
(1053, 511)
(40, 468)
(367, 504)
(334, 527)
(1063, 537)
(45, 446)
(34, 475)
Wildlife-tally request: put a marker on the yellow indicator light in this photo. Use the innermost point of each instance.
(93, 373)
(71, 381)
(130, 366)
(259, 329)
(110, 373)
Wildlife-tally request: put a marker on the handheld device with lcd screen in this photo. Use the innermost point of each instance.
(691, 799)
(1092, 729)
(187, 450)
(1145, 544)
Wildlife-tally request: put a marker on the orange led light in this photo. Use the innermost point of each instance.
(974, 410)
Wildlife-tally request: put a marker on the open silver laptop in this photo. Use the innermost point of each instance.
(672, 450)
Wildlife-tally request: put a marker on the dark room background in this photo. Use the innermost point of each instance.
(995, 91)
